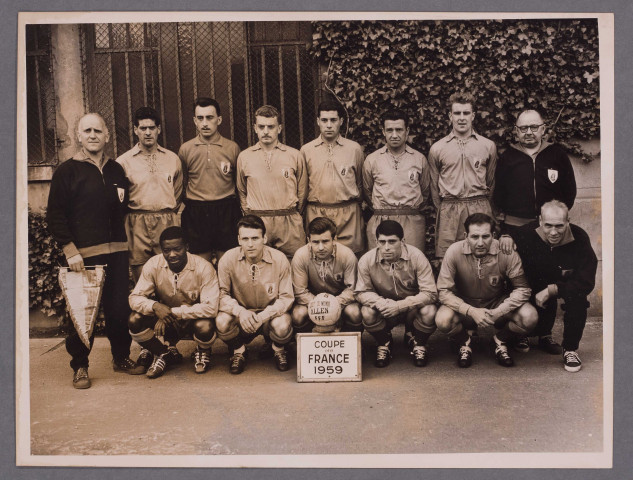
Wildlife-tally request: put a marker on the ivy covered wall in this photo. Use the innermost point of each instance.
(508, 64)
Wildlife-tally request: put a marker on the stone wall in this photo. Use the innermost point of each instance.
(587, 211)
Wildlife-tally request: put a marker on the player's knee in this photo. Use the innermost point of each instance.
(299, 315)
(224, 322)
(527, 317)
(445, 319)
(353, 314)
(135, 322)
(427, 313)
(281, 326)
(370, 316)
(203, 329)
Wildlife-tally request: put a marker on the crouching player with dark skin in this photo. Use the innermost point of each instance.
(324, 266)
(395, 285)
(255, 295)
(480, 286)
(186, 290)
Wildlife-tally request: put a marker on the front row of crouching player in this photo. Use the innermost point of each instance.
(255, 288)
(395, 285)
(176, 294)
(480, 286)
(324, 266)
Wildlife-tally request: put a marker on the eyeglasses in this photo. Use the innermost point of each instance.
(524, 128)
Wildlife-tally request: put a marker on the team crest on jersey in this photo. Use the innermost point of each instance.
(413, 176)
(552, 175)
(477, 163)
(409, 283)
(343, 171)
(494, 280)
(168, 178)
(270, 288)
(338, 277)
(285, 172)
(121, 192)
(225, 167)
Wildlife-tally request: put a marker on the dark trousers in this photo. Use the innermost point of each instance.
(116, 310)
(574, 320)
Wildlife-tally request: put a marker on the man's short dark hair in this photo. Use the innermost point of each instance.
(146, 113)
(172, 233)
(394, 114)
(251, 221)
(461, 97)
(321, 225)
(207, 102)
(331, 106)
(388, 228)
(479, 219)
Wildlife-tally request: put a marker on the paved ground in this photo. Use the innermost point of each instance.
(534, 407)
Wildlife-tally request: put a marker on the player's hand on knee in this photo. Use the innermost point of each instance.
(481, 316)
(164, 313)
(248, 321)
(76, 263)
(390, 309)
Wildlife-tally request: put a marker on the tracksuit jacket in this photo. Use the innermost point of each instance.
(523, 185)
(570, 266)
(86, 207)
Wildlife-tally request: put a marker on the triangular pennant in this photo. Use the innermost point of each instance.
(82, 291)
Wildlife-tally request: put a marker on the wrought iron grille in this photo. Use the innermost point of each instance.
(167, 65)
(284, 75)
(40, 97)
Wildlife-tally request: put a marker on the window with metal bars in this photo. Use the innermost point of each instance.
(168, 65)
(40, 97)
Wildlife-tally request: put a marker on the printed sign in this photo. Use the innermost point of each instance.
(329, 357)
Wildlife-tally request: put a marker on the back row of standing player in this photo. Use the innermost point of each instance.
(328, 177)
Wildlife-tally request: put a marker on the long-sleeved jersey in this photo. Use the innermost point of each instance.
(408, 280)
(191, 293)
(467, 281)
(264, 287)
(274, 180)
(336, 276)
(462, 168)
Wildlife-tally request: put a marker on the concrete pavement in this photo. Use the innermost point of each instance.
(535, 406)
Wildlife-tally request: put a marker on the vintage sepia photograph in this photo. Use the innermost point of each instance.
(320, 240)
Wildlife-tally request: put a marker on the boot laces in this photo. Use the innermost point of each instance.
(382, 352)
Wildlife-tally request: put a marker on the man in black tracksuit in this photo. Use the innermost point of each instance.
(86, 206)
(559, 263)
(529, 174)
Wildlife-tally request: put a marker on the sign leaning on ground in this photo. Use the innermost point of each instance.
(329, 357)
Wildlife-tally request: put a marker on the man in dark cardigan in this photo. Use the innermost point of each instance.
(560, 263)
(86, 206)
